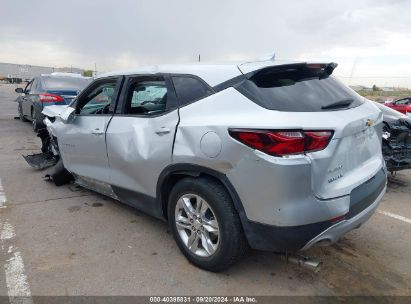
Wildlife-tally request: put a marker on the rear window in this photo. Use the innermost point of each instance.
(65, 83)
(300, 89)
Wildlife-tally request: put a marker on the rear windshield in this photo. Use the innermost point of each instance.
(66, 83)
(300, 89)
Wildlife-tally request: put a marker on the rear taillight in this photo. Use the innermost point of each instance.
(46, 97)
(280, 143)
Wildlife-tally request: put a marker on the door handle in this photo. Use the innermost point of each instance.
(162, 131)
(97, 132)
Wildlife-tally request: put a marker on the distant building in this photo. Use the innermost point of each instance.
(360, 88)
(27, 72)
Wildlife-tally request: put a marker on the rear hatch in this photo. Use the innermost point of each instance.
(67, 95)
(67, 87)
(352, 157)
(305, 97)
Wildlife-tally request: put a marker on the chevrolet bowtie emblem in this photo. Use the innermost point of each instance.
(370, 122)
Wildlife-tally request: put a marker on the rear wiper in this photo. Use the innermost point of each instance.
(343, 103)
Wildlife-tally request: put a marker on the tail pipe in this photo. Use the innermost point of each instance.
(302, 261)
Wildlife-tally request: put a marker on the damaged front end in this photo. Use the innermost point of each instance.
(50, 151)
(49, 148)
(396, 144)
(50, 154)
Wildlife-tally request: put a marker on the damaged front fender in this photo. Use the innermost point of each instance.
(50, 154)
(53, 111)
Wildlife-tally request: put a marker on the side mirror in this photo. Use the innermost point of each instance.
(19, 90)
(67, 116)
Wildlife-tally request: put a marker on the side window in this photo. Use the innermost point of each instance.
(38, 86)
(34, 86)
(190, 89)
(98, 100)
(147, 97)
(27, 89)
(401, 102)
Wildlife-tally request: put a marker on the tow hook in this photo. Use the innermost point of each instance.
(302, 261)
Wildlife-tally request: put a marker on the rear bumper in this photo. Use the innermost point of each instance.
(333, 233)
(363, 201)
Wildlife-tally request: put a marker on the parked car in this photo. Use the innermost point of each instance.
(396, 139)
(46, 90)
(278, 157)
(402, 105)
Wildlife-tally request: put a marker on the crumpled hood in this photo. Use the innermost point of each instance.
(54, 111)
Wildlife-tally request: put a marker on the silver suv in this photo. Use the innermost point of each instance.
(278, 157)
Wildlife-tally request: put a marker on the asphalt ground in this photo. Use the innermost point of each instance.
(59, 241)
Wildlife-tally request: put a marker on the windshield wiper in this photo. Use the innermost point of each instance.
(343, 103)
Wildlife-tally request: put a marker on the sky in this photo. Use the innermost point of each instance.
(369, 39)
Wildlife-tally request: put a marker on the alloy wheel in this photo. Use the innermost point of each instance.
(197, 225)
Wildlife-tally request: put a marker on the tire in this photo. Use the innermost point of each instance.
(225, 247)
(34, 121)
(60, 175)
(21, 116)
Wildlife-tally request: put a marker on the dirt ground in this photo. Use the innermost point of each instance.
(70, 241)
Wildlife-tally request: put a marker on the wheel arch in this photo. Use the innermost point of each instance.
(173, 173)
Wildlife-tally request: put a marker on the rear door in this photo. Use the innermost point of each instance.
(82, 142)
(140, 136)
(26, 100)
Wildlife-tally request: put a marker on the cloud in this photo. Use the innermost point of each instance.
(119, 34)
